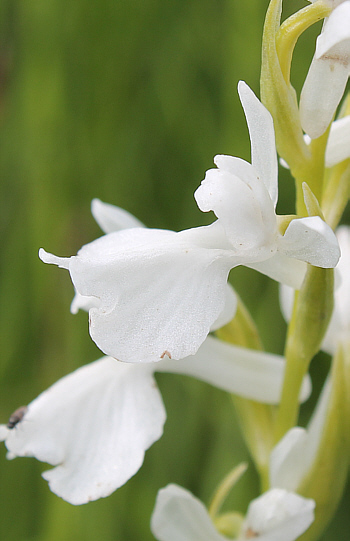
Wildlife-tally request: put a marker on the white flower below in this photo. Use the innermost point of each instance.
(328, 74)
(276, 515)
(95, 424)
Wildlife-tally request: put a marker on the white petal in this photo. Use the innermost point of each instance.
(295, 454)
(158, 291)
(262, 137)
(242, 204)
(283, 269)
(248, 373)
(335, 35)
(328, 74)
(94, 425)
(278, 515)
(311, 240)
(339, 327)
(322, 91)
(179, 516)
(111, 218)
(338, 145)
(229, 309)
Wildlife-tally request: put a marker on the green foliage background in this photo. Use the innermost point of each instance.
(127, 101)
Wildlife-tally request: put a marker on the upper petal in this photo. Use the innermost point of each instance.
(158, 292)
(262, 139)
(94, 425)
(278, 514)
(111, 218)
(178, 515)
(328, 74)
(322, 91)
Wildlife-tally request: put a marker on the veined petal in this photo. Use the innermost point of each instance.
(276, 515)
(252, 374)
(94, 425)
(158, 292)
(262, 138)
(111, 218)
(338, 145)
(178, 515)
(311, 240)
(328, 73)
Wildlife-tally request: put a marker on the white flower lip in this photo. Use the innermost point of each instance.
(154, 293)
(275, 515)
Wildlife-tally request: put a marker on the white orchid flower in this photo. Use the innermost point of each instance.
(275, 515)
(95, 424)
(339, 327)
(329, 72)
(155, 292)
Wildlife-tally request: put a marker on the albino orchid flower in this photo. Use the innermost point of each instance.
(95, 424)
(339, 327)
(275, 515)
(154, 292)
(329, 72)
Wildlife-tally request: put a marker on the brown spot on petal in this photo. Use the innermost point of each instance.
(250, 534)
(166, 352)
(339, 59)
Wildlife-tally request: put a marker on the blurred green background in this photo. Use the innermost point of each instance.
(127, 101)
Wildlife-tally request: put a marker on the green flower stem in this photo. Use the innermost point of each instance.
(256, 419)
(313, 307)
(293, 27)
(337, 193)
